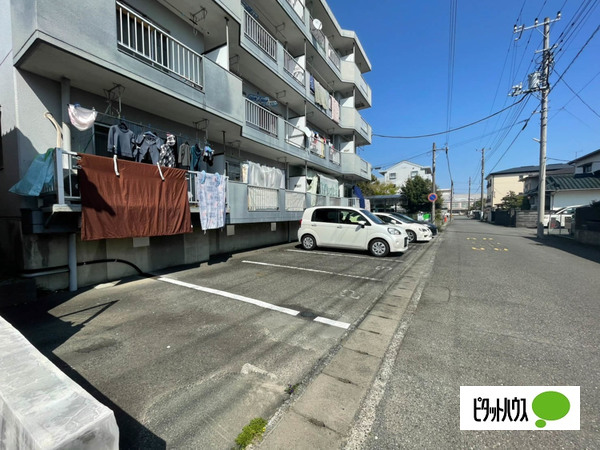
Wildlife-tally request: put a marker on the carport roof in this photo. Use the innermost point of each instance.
(570, 182)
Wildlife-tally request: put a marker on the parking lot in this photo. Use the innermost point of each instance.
(186, 358)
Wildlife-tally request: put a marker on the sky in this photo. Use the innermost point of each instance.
(420, 89)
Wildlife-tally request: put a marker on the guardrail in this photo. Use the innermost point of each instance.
(295, 70)
(298, 7)
(148, 42)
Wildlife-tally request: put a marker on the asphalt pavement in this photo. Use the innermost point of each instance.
(187, 357)
(500, 307)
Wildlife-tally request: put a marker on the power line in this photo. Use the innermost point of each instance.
(453, 129)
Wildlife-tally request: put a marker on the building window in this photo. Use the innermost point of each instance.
(392, 175)
(587, 168)
(414, 173)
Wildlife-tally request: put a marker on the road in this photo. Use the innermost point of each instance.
(499, 308)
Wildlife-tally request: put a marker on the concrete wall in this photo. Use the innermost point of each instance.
(527, 219)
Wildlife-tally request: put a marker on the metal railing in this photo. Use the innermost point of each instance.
(319, 36)
(260, 36)
(146, 41)
(261, 118)
(294, 136)
(262, 199)
(295, 70)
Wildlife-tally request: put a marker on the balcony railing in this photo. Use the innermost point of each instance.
(295, 70)
(261, 118)
(298, 6)
(294, 136)
(335, 156)
(68, 198)
(333, 56)
(147, 42)
(262, 199)
(260, 36)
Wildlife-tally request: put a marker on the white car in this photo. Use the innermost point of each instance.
(560, 215)
(416, 232)
(352, 228)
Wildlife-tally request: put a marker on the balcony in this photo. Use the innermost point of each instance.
(245, 203)
(353, 166)
(144, 40)
(351, 118)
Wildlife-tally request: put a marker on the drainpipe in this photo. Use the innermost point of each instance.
(65, 97)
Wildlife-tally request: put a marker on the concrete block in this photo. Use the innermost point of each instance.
(353, 366)
(390, 311)
(330, 402)
(379, 325)
(295, 431)
(370, 343)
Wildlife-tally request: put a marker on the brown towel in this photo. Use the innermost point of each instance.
(135, 204)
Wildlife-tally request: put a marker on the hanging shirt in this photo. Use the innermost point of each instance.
(148, 145)
(185, 157)
(121, 140)
(167, 156)
(197, 155)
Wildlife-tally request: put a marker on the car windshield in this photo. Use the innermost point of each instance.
(405, 218)
(372, 216)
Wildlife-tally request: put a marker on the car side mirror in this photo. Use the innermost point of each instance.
(362, 223)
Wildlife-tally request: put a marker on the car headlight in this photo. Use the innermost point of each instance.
(424, 230)
(394, 231)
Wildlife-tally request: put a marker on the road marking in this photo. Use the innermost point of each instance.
(344, 255)
(240, 298)
(252, 301)
(478, 248)
(334, 323)
(312, 270)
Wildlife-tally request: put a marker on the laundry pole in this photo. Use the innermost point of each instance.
(65, 99)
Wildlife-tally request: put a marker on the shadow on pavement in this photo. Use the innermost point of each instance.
(586, 251)
(47, 332)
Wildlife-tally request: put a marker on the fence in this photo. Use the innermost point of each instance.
(261, 118)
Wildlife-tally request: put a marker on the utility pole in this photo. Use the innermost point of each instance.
(469, 198)
(543, 85)
(482, 172)
(433, 188)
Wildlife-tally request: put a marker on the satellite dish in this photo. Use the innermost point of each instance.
(317, 24)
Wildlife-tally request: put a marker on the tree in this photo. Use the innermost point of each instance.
(376, 187)
(476, 206)
(415, 192)
(511, 201)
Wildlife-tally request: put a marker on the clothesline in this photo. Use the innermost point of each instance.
(155, 130)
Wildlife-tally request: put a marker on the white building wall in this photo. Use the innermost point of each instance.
(570, 198)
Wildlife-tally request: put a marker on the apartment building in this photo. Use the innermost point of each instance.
(261, 95)
(400, 172)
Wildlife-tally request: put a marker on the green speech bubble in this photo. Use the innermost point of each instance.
(550, 405)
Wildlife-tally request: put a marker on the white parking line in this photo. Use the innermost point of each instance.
(312, 270)
(334, 323)
(241, 298)
(344, 255)
(260, 303)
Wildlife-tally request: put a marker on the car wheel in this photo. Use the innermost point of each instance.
(308, 242)
(412, 236)
(378, 247)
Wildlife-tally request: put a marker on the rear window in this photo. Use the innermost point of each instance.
(326, 215)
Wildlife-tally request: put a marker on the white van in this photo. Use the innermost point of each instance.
(352, 228)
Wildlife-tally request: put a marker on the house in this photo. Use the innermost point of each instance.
(400, 172)
(460, 202)
(276, 114)
(578, 185)
(500, 183)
